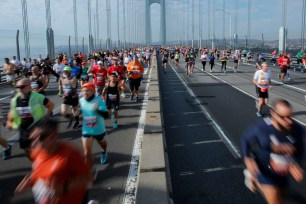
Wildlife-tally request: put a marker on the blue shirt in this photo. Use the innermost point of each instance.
(93, 122)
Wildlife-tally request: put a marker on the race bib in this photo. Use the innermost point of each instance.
(41, 193)
(112, 97)
(24, 112)
(90, 121)
(34, 86)
(99, 79)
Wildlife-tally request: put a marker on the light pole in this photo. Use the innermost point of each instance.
(200, 24)
(303, 25)
(75, 25)
(249, 22)
(230, 24)
(192, 28)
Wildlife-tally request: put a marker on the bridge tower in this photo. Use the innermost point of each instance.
(162, 21)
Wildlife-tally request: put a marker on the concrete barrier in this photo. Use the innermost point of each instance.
(152, 185)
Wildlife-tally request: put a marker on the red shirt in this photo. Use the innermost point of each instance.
(100, 76)
(284, 62)
(118, 70)
(63, 166)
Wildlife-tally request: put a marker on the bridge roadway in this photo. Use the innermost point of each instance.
(204, 117)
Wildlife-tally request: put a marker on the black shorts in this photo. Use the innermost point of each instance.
(99, 138)
(134, 84)
(24, 141)
(283, 70)
(112, 105)
(71, 101)
(236, 61)
(260, 93)
(165, 61)
(299, 61)
(177, 60)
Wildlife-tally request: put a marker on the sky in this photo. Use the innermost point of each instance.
(266, 18)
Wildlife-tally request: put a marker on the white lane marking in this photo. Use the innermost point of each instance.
(6, 97)
(204, 110)
(207, 141)
(187, 173)
(132, 179)
(297, 120)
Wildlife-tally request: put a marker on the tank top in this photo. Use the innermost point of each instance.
(112, 94)
(35, 83)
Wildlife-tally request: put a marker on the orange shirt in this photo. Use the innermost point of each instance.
(63, 166)
(135, 69)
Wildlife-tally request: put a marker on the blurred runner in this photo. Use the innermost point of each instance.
(273, 150)
(59, 174)
(26, 108)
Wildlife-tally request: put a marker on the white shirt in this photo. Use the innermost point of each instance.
(59, 68)
(15, 62)
(262, 78)
(204, 58)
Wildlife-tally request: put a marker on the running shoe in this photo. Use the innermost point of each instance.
(59, 94)
(76, 124)
(7, 153)
(115, 125)
(12, 92)
(259, 114)
(123, 95)
(132, 97)
(279, 76)
(113, 116)
(247, 181)
(103, 158)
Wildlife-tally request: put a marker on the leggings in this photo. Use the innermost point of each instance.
(223, 65)
(204, 64)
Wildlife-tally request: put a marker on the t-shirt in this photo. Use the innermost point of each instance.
(99, 75)
(93, 122)
(259, 138)
(284, 62)
(118, 70)
(64, 166)
(135, 69)
(204, 58)
(262, 78)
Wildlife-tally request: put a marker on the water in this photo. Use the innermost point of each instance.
(10, 52)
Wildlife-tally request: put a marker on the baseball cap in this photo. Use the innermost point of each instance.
(90, 86)
(115, 58)
(100, 62)
(68, 69)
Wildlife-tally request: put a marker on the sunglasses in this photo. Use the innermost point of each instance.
(281, 116)
(21, 87)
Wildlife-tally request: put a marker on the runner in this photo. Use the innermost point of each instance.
(273, 57)
(84, 75)
(100, 75)
(164, 60)
(177, 59)
(211, 61)
(223, 58)
(262, 80)
(26, 108)
(236, 57)
(38, 82)
(58, 67)
(192, 61)
(273, 150)
(9, 71)
(134, 70)
(68, 89)
(284, 63)
(204, 58)
(94, 111)
(118, 70)
(111, 94)
(188, 65)
(59, 173)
